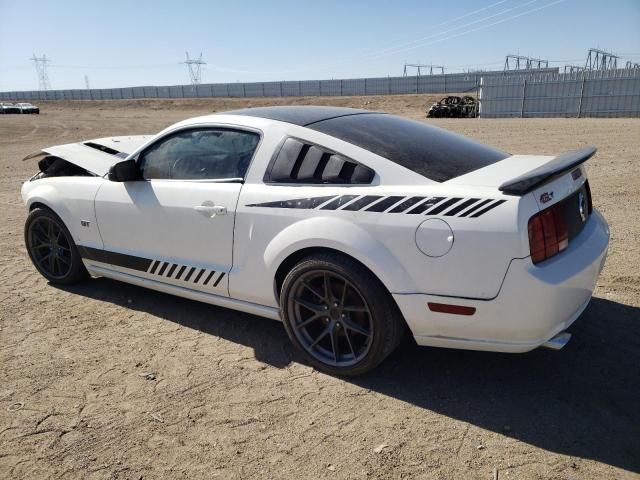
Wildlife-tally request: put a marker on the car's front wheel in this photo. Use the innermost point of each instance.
(339, 314)
(52, 249)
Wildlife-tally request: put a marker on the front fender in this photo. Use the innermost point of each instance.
(72, 199)
(351, 239)
(48, 195)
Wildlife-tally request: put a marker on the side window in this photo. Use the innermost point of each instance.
(200, 154)
(302, 163)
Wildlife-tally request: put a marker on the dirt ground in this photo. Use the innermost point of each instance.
(105, 380)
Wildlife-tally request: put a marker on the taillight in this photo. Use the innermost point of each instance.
(548, 233)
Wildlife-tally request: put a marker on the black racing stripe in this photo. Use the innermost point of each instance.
(362, 202)
(193, 269)
(155, 267)
(115, 258)
(195, 280)
(173, 267)
(442, 206)
(406, 204)
(209, 277)
(302, 203)
(462, 206)
(382, 205)
(180, 271)
(476, 207)
(338, 202)
(162, 269)
(218, 280)
(490, 207)
(425, 205)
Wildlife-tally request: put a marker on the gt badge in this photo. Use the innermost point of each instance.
(546, 197)
(85, 223)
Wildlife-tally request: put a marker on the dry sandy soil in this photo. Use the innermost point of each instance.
(230, 398)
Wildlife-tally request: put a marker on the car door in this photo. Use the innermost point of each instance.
(175, 224)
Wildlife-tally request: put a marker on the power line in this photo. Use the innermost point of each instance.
(393, 49)
(482, 27)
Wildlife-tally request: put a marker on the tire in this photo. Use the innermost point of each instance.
(52, 249)
(358, 318)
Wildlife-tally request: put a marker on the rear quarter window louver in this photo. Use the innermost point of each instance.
(302, 163)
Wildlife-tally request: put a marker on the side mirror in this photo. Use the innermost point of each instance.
(126, 171)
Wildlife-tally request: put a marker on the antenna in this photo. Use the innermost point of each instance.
(86, 82)
(195, 68)
(41, 69)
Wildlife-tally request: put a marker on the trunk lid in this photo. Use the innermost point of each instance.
(521, 174)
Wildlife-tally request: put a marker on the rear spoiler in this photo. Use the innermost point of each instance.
(547, 172)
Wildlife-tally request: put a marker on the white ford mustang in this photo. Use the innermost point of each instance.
(350, 226)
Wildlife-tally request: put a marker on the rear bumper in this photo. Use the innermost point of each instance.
(535, 302)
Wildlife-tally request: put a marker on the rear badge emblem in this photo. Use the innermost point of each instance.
(85, 223)
(546, 197)
(582, 207)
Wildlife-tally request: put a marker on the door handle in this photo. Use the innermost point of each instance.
(211, 210)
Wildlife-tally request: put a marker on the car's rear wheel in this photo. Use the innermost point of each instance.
(51, 248)
(339, 314)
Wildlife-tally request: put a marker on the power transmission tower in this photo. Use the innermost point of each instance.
(600, 60)
(515, 62)
(41, 69)
(572, 68)
(630, 65)
(538, 63)
(519, 62)
(195, 68)
(420, 66)
(86, 82)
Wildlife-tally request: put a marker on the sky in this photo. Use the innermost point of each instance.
(120, 43)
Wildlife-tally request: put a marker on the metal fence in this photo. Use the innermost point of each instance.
(612, 93)
(448, 83)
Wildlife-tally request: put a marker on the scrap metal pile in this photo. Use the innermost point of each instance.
(454, 107)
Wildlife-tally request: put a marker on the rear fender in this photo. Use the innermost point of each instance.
(351, 239)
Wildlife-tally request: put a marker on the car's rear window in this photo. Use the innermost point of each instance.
(432, 152)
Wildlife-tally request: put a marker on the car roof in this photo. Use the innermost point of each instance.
(302, 115)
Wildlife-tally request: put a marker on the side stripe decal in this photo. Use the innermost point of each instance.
(208, 278)
(384, 204)
(410, 202)
(425, 205)
(412, 205)
(302, 203)
(218, 280)
(121, 259)
(460, 207)
(157, 268)
(485, 210)
(338, 202)
(362, 202)
(444, 205)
